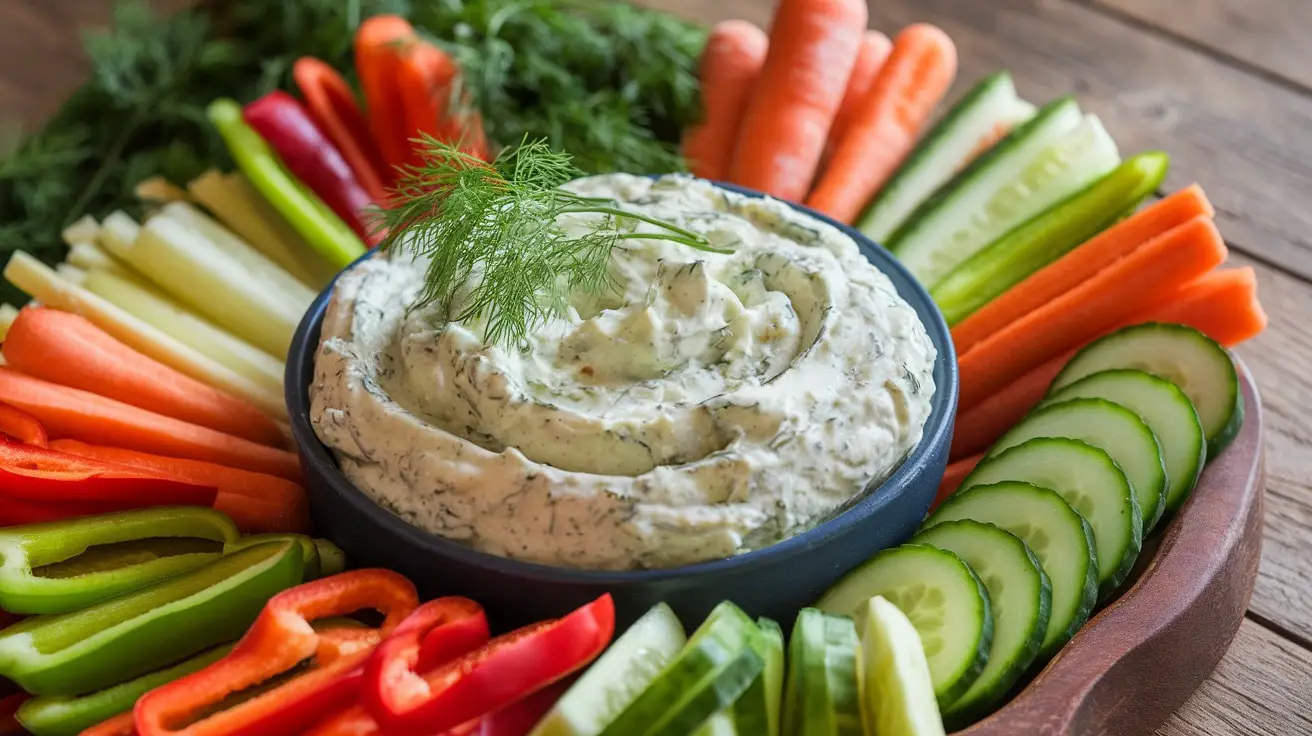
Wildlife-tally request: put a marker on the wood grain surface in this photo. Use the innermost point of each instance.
(1219, 84)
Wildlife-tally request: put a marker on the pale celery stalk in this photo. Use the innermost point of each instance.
(83, 230)
(91, 257)
(237, 249)
(234, 201)
(71, 274)
(8, 313)
(187, 266)
(43, 284)
(154, 308)
(159, 189)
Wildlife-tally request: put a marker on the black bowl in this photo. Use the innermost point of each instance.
(775, 581)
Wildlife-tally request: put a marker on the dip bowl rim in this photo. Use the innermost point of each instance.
(318, 461)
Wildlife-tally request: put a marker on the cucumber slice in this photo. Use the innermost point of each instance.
(1048, 236)
(1057, 535)
(1050, 158)
(991, 106)
(1091, 482)
(822, 696)
(897, 687)
(1166, 410)
(1020, 597)
(617, 677)
(774, 673)
(943, 598)
(1111, 427)
(716, 667)
(756, 713)
(1180, 354)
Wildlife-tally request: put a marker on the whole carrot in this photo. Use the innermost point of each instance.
(874, 51)
(730, 66)
(884, 129)
(813, 47)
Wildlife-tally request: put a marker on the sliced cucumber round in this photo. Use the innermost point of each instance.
(1180, 354)
(1057, 535)
(1020, 597)
(897, 687)
(943, 598)
(1111, 427)
(822, 696)
(1091, 482)
(710, 673)
(614, 681)
(1166, 410)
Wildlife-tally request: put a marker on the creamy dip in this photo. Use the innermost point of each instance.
(712, 404)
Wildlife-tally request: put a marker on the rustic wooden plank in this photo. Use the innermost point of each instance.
(1270, 35)
(1262, 686)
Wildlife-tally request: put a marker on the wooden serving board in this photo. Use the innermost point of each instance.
(1143, 655)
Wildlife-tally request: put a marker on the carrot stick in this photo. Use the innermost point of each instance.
(67, 349)
(380, 42)
(730, 65)
(424, 80)
(813, 46)
(952, 477)
(884, 128)
(1223, 305)
(1117, 292)
(870, 58)
(333, 106)
(256, 502)
(1080, 265)
(71, 413)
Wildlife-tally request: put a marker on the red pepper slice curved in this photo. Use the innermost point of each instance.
(22, 426)
(333, 106)
(503, 671)
(280, 640)
(41, 474)
(8, 707)
(18, 511)
(120, 725)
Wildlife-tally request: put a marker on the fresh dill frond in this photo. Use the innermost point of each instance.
(496, 251)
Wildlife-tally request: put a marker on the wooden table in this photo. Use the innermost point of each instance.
(1225, 86)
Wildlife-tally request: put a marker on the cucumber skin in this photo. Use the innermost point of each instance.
(958, 715)
(1109, 586)
(966, 175)
(1047, 237)
(926, 147)
(1216, 445)
(1089, 589)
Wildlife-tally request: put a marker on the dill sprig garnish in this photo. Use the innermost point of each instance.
(491, 232)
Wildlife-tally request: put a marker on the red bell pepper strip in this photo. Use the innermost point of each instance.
(333, 106)
(18, 511)
(120, 725)
(380, 42)
(8, 707)
(282, 121)
(501, 672)
(520, 719)
(22, 426)
(279, 640)
(39, 474)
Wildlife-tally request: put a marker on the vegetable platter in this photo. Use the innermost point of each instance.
(1094, 540)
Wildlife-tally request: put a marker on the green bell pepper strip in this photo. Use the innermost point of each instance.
(307, 214)
(332, 559)
(309, 550)
(142, 631)
(61, 566)
(51, 715)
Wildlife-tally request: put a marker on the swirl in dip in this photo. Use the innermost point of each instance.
(714, 404)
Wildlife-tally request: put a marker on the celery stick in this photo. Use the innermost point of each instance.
(237, 249)
(154, 308)
(83, 230)
(159, 189)
(91, 257)
(43, 284)
(71, 274)
(187, 266)
(8, 313)
(235, 202)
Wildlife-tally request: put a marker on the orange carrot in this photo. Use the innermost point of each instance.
(1119, 291)
(380, 43)
(813, 46)
(952, 477)
(870, 58)
(66, 349)
(71, 413)
(254, 501)
(333, 106)
(424, 78)
(730, 66)
(885, 126)
(1080, 265)
(1223, 305)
